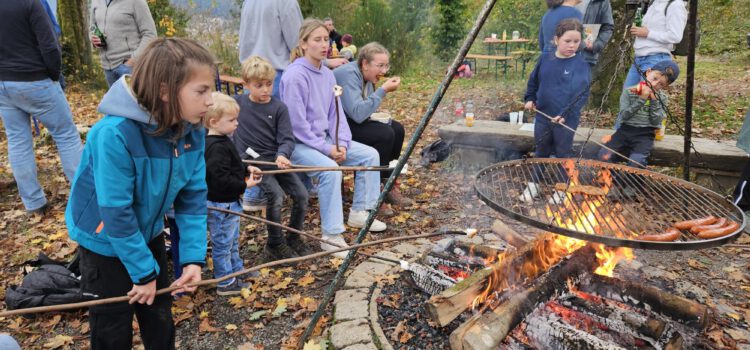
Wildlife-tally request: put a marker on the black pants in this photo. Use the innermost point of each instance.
(741, 193)
(275, 186)
(112, 324)
(387, 139)
(634, 142)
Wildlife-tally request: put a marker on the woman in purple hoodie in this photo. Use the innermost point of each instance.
(307, 90)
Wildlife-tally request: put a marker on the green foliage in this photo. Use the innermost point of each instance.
(510, 15)
(170, 21)
(724, 26)
(451, 27)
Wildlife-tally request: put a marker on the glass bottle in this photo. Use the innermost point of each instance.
(638, 17)
(459, 108)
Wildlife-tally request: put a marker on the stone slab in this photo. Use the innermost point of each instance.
(373, 268)
(504, 136)
(351, 295)
(359, 280)
(368, 346)
(350, 310)
(350, 333)
(407, 249)
(376, 329)
(389, 255)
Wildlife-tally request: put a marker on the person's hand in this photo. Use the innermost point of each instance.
(558, 119)
(334, 63)
(338, 154)
(190, 274)
(641, 32)
(96, 41)
(143, 294)
(392, 84)
(283, 163)
(588, 45)
(529, 106)
(129, 62)
(255, 176)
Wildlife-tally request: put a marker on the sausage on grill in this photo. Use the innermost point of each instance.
(698, 229)
(720, 232)
(686, 225)
(670, 235)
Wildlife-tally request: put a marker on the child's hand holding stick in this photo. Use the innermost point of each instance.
(255, 176)
(283, 163)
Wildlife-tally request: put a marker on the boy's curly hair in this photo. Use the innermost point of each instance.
(257, 68)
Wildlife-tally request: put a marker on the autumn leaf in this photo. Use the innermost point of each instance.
(59, 341)
(336, 262)
(230, 327)
(283, 284)
(400, 328)
(386, 279)
(313, 345)
(281, 306)
(306, 280)
(245, 293)
(205, 326)
(203, 315)
(257, 315)
(309, 304)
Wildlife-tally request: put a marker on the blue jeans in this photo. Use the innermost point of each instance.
(276, 82)
(225, 240)
(113, 74)
(366, 183)
(43, 99)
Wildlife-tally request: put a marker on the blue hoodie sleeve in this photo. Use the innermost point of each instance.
(191, 214)
(532, 86)
(114, 178)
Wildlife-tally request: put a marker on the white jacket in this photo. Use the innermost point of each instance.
(663, 31)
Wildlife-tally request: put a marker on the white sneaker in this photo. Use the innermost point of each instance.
(357, 219)
(531, 192)
(337, 241)
(558, 198)
(252, 206)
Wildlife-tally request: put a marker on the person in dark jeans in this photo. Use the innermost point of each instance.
(264, 126)
(741, 193)
(360, 102)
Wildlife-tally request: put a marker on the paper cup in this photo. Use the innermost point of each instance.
(520, 117)
(494, 35)
(381, 117)
(513, 117)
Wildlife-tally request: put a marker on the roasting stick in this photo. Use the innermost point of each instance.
(263, 162)
(310, 168)
(337, 91)
(219, 280)
(589, 138)
(404, 264)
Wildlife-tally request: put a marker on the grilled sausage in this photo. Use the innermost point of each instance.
(720, 232)
(686, 225)
(670, 235)
(698, 229)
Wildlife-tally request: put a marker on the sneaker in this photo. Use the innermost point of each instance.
(233, 288)
(298, 245)
(531, 192)
(278, 252)
(357, 219)
(253, 205)
(41, 211)
(336, 241)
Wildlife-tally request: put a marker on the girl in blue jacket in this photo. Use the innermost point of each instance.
(143, 157)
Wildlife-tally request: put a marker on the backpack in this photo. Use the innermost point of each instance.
(681, 48)
(435, 152)
(50, 284)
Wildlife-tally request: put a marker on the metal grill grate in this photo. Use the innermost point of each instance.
(634, 202)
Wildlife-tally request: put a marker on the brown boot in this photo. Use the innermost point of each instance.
(395, 197)
(386, 210)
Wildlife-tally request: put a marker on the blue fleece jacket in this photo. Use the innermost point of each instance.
(128, 179)
(559, 86)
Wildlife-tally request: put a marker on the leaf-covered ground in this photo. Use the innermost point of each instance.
(274, 312)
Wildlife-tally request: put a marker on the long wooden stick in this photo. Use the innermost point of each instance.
(218, 280)
(263, 162)
(323, 168)
(294, 230)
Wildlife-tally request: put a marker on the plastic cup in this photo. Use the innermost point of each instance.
(469, 119)
(520, 117)
(494, 35)
(513, 117)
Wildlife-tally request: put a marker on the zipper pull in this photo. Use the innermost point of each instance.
(176, 155)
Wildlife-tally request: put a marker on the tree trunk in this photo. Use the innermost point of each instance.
(614, 61)
(77, 57)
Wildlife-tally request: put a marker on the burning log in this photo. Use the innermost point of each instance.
(430, 280)
(512, 267)
(508, 234)
(617, 318)
(552, 333)
(486, 253)
(491, 328)
(686, 311)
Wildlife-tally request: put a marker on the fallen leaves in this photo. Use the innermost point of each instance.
(401, 333)
(59, 341)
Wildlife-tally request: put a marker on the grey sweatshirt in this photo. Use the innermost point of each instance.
(638, 112)
(360, 99)
(269, 29)
(127, 25)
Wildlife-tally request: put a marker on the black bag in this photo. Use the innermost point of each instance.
(50, 284)
(435, 152)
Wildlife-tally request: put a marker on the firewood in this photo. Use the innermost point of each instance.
(681, 309)
(617, 318)
(512, 267)
(508, 234)
(549, 334)
(492, 327)
(583, 189)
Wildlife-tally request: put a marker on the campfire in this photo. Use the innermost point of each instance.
(558, 291)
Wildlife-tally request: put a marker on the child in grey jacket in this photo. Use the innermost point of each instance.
(126, 27)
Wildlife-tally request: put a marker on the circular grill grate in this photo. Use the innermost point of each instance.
(602, 202)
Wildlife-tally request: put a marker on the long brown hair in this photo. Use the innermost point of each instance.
(568, 24)
(368, 52)
(164, 67)
(308, 26)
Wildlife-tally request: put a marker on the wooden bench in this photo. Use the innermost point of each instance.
(499, 60)
(718, 166)
(229, 84)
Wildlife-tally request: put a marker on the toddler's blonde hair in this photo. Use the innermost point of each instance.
(222, 104)
(257, 68)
